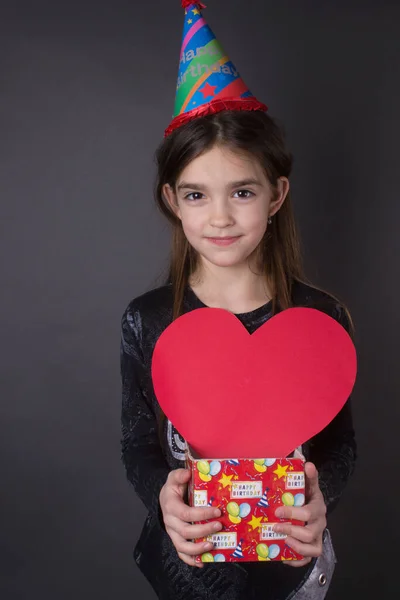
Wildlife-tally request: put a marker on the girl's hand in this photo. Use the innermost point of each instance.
(178, 515)
(306, 540)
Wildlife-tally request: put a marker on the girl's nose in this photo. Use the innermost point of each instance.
(220, 214)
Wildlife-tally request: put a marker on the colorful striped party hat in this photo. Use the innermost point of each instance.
(208, 81)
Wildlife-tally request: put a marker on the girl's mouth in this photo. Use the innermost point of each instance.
(223, 241)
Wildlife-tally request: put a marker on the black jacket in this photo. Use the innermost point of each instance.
(148, 463)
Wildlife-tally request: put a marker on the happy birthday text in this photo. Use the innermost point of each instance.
(196, 71)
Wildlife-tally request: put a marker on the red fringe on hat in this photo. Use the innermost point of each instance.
(215, 107)
(187, 3)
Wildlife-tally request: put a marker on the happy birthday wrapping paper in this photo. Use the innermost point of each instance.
(247, 491)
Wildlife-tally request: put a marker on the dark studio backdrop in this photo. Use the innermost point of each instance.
(86, 90)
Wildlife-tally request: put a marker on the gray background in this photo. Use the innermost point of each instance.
(86, 90)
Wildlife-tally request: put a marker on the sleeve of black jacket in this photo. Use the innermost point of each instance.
(334, 450)
(141, 453)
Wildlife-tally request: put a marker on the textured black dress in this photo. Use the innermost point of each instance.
(148, 463)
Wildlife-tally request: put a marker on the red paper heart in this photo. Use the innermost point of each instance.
(232, 394)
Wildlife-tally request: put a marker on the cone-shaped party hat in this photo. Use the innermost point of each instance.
(238, 551)
(264, 500)
(208, 81)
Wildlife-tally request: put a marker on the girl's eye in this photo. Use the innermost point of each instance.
(188, 196)
(245, 194)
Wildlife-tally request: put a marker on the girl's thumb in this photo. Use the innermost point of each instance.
(182, 475)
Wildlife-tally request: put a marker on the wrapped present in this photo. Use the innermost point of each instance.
(247, 491)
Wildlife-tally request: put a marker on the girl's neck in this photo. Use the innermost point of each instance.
(238, 292)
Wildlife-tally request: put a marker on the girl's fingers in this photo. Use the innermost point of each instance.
(190, 532)
(189, 548)
(311, 477)
(190, 560)
(175, 508)
(299, 513)
(179, 476)
(307, 534)
(192, 513)
(192, 548)
(297, 563)
(308, 512)
(306, 550)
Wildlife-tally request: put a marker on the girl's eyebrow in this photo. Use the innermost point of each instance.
(184, 185)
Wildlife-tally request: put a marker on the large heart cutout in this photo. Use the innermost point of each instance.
(232, 394)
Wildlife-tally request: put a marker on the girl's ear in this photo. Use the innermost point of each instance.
(283, 187)
(170, 199)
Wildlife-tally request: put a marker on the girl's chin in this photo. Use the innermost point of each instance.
(224, 261)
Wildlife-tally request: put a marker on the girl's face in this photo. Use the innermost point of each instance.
(224, 201)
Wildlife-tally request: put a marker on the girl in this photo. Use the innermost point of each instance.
(223, 183)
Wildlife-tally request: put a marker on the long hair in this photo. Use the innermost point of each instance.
(256, 134)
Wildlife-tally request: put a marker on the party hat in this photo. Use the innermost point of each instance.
(208, 81)
(238, 551)
(264, 500)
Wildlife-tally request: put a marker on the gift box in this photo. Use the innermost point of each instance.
(247, 491)
(233, 396)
